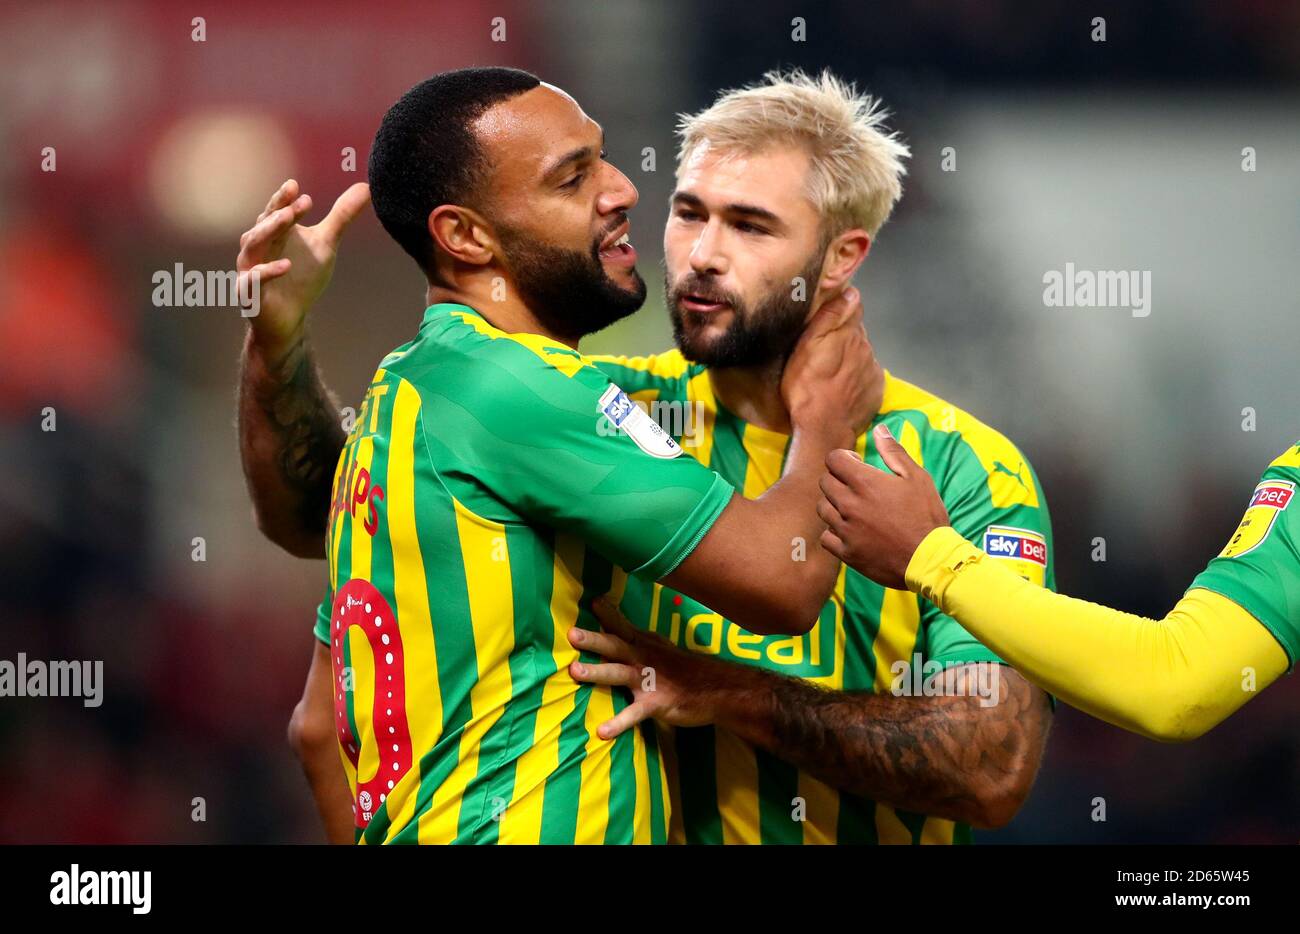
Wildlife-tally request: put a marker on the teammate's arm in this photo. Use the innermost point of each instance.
(290, 432)
(1170, 679)
(312, 736)
(528, 446)
(960, 756)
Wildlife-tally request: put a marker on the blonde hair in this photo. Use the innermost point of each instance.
(856, 166)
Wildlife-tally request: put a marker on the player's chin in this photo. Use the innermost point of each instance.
(627, 279)
(697, 347)
(705, 332)
(630, 283)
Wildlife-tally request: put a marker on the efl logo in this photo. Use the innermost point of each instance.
(1275, 493)
(1003, 541)
(629, 418)
(1266, 504)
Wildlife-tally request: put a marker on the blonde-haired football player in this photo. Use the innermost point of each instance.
(855, 165)
(871, 728)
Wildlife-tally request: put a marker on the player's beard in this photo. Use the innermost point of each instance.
(756, 337)
(568, 291)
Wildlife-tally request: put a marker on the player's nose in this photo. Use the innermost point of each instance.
(706, 255)
(618, 194)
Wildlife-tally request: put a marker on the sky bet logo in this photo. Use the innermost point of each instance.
(1275, 493)
(1003, 541)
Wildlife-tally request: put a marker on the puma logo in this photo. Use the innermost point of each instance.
(999, 467)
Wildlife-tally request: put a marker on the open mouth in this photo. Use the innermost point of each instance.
(617, 248)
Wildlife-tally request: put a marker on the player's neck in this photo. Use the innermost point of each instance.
(752, 393)
(509, 314)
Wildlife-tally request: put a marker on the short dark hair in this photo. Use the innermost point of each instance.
(426, 154)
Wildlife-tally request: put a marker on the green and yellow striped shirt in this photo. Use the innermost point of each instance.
(479, 504)
(726, 791)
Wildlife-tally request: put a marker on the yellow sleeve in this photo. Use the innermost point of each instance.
(1170, 679)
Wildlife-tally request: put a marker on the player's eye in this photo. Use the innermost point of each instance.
(747, 227)
(575, 181)
(686, 214)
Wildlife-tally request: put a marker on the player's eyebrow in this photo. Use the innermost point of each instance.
(734, 208)
(581, 154)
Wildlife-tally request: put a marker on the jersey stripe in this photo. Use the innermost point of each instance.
(647, 818)
(340, 546)
(622, 796)
(937, 831)
(699, 394)
(766, 453)
(593, 788)
(778, 789)
(896, 638)
(489, 604)
(659, 806)
(697, 788)
(889, 828)
(900, 612)
(381, 575)
(775, 783)
(821, 800)
(668, 762)
(737, 768)
(737, 788)
(641, 825)
(857, 823)
(485, 551)
(411, 592)
(561, 692)
(510, 738)
(523, 820)
(823, 809)
(604, 809)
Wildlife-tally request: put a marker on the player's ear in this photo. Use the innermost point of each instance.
(463, 234)
(843, 257)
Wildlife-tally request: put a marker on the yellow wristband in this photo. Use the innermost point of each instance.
(936, 562)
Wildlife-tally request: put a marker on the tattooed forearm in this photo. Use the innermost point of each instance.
(290, 436)
(949, 756)
(307, 425)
